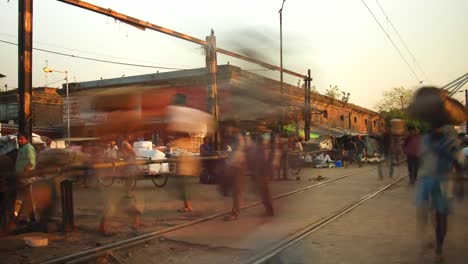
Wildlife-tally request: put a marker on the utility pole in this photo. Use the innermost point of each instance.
(281, 65)
(25, 35)
(211, 70)
(466, 106)
(307, 106)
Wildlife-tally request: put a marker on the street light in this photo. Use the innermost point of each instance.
(281, 64)
(47, 70)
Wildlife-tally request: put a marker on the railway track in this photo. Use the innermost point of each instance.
(270, 252)
(106, 250)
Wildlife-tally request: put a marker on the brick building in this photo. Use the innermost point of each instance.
(242, 94)
(46, 112)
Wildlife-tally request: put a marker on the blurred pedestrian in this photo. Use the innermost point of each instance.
(350, 148)
(258, 156)
(283, 148)
(411, 149)
(128, 200)
(111, 151)
(360, 150)
(385, 142)
(207, 175)
(439, 152)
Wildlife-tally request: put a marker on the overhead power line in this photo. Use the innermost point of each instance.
(91, 53)
(402, 41)
(95, 59)
(393, 43)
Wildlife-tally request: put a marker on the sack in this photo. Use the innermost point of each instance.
(434, 106)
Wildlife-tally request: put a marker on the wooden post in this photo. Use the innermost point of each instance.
(25, 35)
(211, 70)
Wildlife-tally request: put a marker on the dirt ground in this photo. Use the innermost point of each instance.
(159, 207)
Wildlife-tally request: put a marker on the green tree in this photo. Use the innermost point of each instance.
(333, 92)
(393, 106)
(395, 98)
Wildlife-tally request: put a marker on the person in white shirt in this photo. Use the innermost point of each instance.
(324, 157)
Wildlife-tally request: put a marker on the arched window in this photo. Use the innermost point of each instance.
(355, 119)
(365, 121)
(325, 114)
(179, 99)
(375, 123)
(342, 117)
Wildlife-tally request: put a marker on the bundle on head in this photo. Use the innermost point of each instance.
(434, 106)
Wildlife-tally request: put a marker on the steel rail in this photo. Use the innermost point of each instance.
(94, 253)
(267, 254)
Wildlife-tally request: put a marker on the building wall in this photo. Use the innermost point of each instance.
(46, 107)
(294, 97)
(154, 99)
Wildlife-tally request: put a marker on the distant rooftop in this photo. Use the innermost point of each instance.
(146, 78)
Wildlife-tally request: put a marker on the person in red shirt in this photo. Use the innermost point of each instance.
(411, 149)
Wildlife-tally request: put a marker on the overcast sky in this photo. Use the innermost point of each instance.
(337, 39)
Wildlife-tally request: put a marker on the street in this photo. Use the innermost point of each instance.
(382, 228)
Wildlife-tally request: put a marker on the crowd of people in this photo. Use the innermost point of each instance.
(257, 156)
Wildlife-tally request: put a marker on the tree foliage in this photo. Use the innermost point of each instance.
(395, 98)
(393, 106)
(333, 92)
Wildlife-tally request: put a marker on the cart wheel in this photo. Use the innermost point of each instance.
(159, 179)
(106, 181)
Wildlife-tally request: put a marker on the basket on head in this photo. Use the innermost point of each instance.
(434, 106)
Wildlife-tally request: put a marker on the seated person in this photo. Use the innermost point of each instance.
(324, 157)
(323, 160)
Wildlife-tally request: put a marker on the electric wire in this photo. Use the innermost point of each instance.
(98, 60)
(402, 41)
(391, 40)
(83, 51)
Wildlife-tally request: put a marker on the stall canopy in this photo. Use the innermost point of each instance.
(316, 131)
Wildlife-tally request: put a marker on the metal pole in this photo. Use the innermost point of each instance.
(281, 66)
(466, 106)
(307, 106)
(25, 31)
(68, 106)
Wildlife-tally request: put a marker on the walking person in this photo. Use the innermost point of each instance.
(350, 148)
(259, 154)
(411, 149)
(128, 200)
(360, 150)
(439, 153)
(283, 167)
(385, 142)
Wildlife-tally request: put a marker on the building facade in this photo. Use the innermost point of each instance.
(46, 111)
(242, 95)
